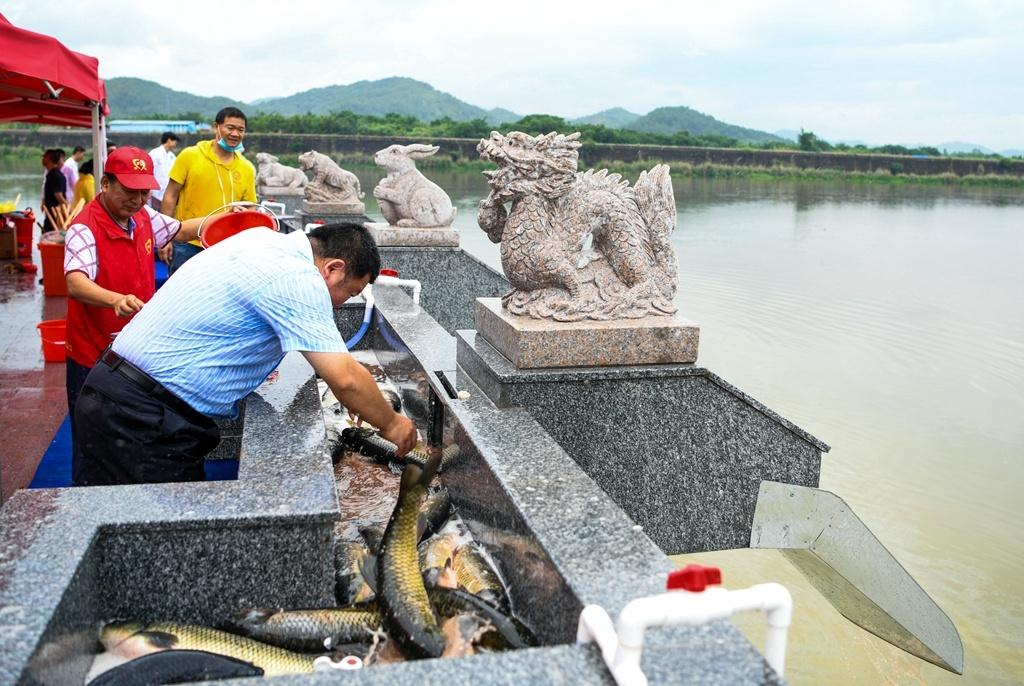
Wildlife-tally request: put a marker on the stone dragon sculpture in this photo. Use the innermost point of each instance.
(629, 269)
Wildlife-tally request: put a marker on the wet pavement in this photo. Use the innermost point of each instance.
(33, 401)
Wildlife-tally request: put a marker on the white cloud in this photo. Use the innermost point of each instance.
(882, 70)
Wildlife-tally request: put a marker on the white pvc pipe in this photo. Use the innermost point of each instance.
(385, 280)
(368, 297)
(683, 607)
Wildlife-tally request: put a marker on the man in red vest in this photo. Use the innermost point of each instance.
(108, 264)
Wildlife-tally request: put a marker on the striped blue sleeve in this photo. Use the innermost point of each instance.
(298, 308)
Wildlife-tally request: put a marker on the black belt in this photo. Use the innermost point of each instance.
(149, 385)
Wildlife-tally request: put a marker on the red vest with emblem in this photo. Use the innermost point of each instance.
(125, 265)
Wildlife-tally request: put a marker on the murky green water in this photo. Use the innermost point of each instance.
(887, 322)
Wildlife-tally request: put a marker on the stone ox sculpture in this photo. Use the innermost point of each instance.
(331, 183)
(629, 269)
(406, 197)
(273, 174)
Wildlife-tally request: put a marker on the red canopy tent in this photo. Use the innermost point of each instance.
(43, 82)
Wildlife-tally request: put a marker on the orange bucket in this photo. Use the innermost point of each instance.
(54, 334)
(52, 255)
(227, 225)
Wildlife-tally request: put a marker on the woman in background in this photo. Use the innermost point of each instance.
(85, 187)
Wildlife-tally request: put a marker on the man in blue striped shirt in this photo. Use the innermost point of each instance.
(211, 335)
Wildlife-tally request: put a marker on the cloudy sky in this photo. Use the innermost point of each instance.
(879, 71)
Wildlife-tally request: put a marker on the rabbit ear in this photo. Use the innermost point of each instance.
(418, 151)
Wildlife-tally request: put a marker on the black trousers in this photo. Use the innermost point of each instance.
(131, 430)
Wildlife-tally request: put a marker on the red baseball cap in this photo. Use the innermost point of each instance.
(133, 168)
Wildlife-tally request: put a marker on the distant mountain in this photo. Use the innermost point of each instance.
(136, 98)
(615, 118)
(1013, 152)
(397, 94)
(669, 120)
(788, 134)
(502, 116)
(960, 146)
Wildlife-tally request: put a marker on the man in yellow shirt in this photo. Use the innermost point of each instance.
(207, 176)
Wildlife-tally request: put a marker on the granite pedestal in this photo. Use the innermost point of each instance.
(530, 343)
(291, 198)
(387, 235)
(331, 212)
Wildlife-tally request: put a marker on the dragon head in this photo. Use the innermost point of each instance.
(527, 165)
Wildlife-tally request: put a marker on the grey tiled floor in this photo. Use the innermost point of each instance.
(33, 400)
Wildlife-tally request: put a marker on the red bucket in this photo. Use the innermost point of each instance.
(23, 222)
(227, 225)
(54, 334)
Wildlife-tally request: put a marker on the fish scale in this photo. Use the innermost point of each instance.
(272, 660)
(308, 629)
(400, 590)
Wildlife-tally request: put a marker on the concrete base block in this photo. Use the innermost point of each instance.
(274, 191)
(304, 217)
(540, 343)
(333, 207)
(387, 235)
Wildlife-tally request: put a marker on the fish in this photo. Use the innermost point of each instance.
(309, 630)
(449, 455)
(372, 536)
(436, 555)
(415, 403)
(475, 575)
(510, 633)
(136, 639)
(409, 617)
(435, 512)
(350, 585)
(462, 633)
(169, 667)
(392, 398)
(370, 443)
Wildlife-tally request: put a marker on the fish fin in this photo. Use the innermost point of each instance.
(368, 568)
(433, 465)
(372, 536)
(176, 666)
(161, 639)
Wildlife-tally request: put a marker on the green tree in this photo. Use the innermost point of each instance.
(537, 124)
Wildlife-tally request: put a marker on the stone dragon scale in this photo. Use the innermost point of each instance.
(577, 245)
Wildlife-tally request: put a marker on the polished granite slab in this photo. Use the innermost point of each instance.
(70, 557)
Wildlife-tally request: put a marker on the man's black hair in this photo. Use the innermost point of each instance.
(78, 149)
(85, 167)
(350, 242)
(52, 156)
(60, 152)
(230, 112)
(168, 136)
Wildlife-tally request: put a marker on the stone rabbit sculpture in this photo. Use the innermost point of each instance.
(406, 197)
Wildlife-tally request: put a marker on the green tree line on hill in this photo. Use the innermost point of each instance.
(349, 123)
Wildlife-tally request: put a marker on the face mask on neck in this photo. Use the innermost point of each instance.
(223, 144)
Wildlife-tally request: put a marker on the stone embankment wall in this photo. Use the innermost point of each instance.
(590, 154)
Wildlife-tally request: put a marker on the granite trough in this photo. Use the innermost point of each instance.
(555, 511)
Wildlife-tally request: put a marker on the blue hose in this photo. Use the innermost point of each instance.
(363, 328)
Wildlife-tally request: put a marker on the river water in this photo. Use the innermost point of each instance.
(885, 320)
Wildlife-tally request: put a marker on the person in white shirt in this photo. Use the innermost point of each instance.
(163, 158)
(76, 159)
